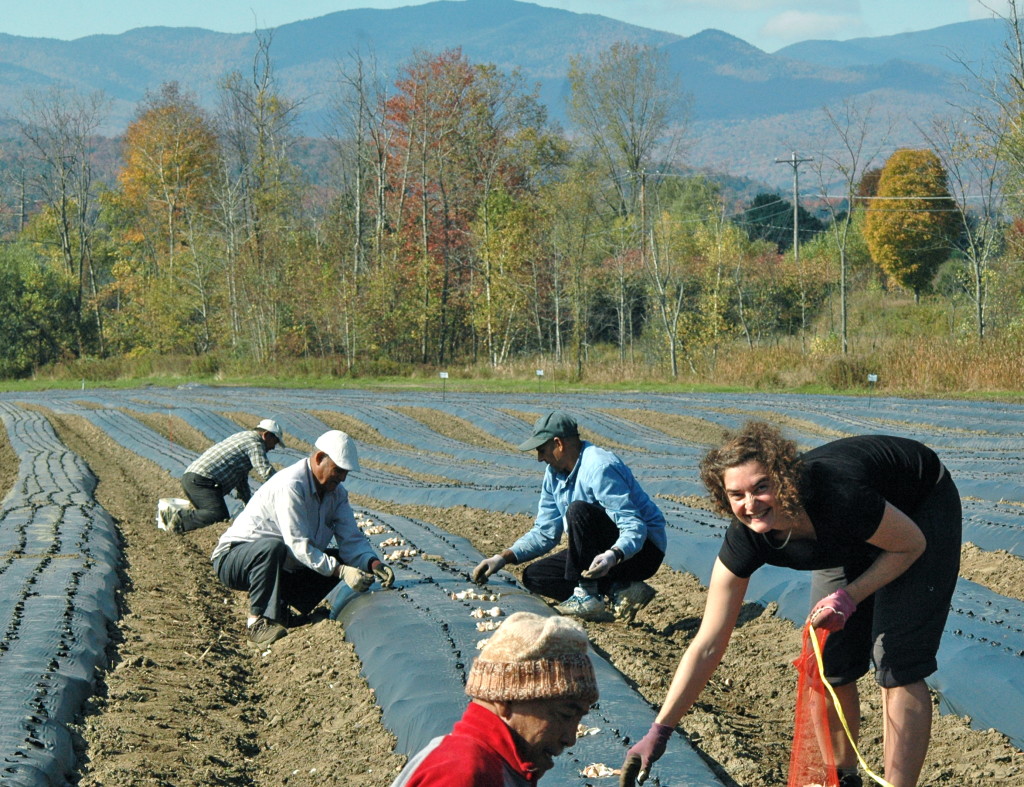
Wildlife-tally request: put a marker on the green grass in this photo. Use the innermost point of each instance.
(916, 349)
(510, 385)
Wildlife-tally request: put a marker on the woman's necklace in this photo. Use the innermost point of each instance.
(789, 535)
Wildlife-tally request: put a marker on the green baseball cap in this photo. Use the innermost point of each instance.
(556, 424)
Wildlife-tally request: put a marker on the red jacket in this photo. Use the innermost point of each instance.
(478, 752)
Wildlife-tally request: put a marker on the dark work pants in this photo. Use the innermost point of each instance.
(258, 566)
(208, 498)
(899, 627)
(591, 531)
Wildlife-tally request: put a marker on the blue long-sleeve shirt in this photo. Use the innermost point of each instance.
(600, 477)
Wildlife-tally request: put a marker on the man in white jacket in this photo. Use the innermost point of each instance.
(277, 548)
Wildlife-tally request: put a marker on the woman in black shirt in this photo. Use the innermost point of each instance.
(878, 520)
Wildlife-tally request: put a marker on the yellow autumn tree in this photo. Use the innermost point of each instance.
(911, 223)
(165, 273)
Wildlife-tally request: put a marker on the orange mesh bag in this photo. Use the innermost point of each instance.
(811, 763)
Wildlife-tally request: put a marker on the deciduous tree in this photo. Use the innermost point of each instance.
(258, 192)
(631, 111)
(460, 132)
(850, 152)
(60, 127)
(160, 215)
(911, 222)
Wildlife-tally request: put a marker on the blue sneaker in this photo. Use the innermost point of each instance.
(584, 606)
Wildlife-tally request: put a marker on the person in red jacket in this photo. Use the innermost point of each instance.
(530, 686)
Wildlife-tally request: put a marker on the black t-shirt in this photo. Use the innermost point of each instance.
(844, 488)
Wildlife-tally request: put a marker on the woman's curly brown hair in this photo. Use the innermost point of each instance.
(761, 442)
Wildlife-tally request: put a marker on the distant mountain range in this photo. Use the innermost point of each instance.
(749, 106)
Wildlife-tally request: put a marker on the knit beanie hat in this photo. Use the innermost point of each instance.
(533, 657)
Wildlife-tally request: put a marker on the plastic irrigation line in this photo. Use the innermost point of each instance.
(214, 426)
(992, 526)
(982, 473)
(986, 469)
(133, 435)
(501, 481)
(981, 661)
(58, 577)
(421, 689)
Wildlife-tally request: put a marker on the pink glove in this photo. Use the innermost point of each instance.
(643, 754)
(601, 565)
(832, 612)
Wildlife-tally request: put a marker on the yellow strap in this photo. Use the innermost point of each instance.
(839, 710)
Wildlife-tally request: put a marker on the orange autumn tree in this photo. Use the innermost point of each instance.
(165, 275)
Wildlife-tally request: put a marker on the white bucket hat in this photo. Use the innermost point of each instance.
(270, 425)
(340, 448)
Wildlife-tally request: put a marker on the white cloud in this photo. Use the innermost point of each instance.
(979, 10)
(801, 25)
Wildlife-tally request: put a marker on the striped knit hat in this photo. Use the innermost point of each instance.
(532, 657)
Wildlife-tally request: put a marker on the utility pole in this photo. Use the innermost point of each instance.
(795, 163)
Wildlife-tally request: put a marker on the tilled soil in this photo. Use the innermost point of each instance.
(187, 701)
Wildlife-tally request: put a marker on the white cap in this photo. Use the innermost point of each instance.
(340, 448)
(270, 425)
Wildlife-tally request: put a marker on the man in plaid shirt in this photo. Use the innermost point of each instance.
(221, 468)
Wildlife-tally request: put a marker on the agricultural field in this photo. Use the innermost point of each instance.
(125, 660)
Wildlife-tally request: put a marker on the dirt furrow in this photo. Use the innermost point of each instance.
(187, 701)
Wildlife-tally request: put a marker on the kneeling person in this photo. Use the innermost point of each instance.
(221, 468)
(616, 532)
(530, 686)
(277, 547)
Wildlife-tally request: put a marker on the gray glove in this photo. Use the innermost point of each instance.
(487, 568)
(359, 581)
(384, 573)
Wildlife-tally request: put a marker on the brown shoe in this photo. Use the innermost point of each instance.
(264, 631)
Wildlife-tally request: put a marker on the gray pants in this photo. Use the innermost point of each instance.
(208, 498)
(258, 566)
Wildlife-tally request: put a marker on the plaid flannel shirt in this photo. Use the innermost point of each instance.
(228, 462)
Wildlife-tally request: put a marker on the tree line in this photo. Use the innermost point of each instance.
(450, 222)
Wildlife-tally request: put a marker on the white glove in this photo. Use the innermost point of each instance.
(486, 568)
(601, 565)
(359, 581)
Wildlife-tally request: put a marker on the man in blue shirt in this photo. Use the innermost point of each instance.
(616, 533)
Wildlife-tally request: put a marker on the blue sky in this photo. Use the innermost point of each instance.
(768, 24)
